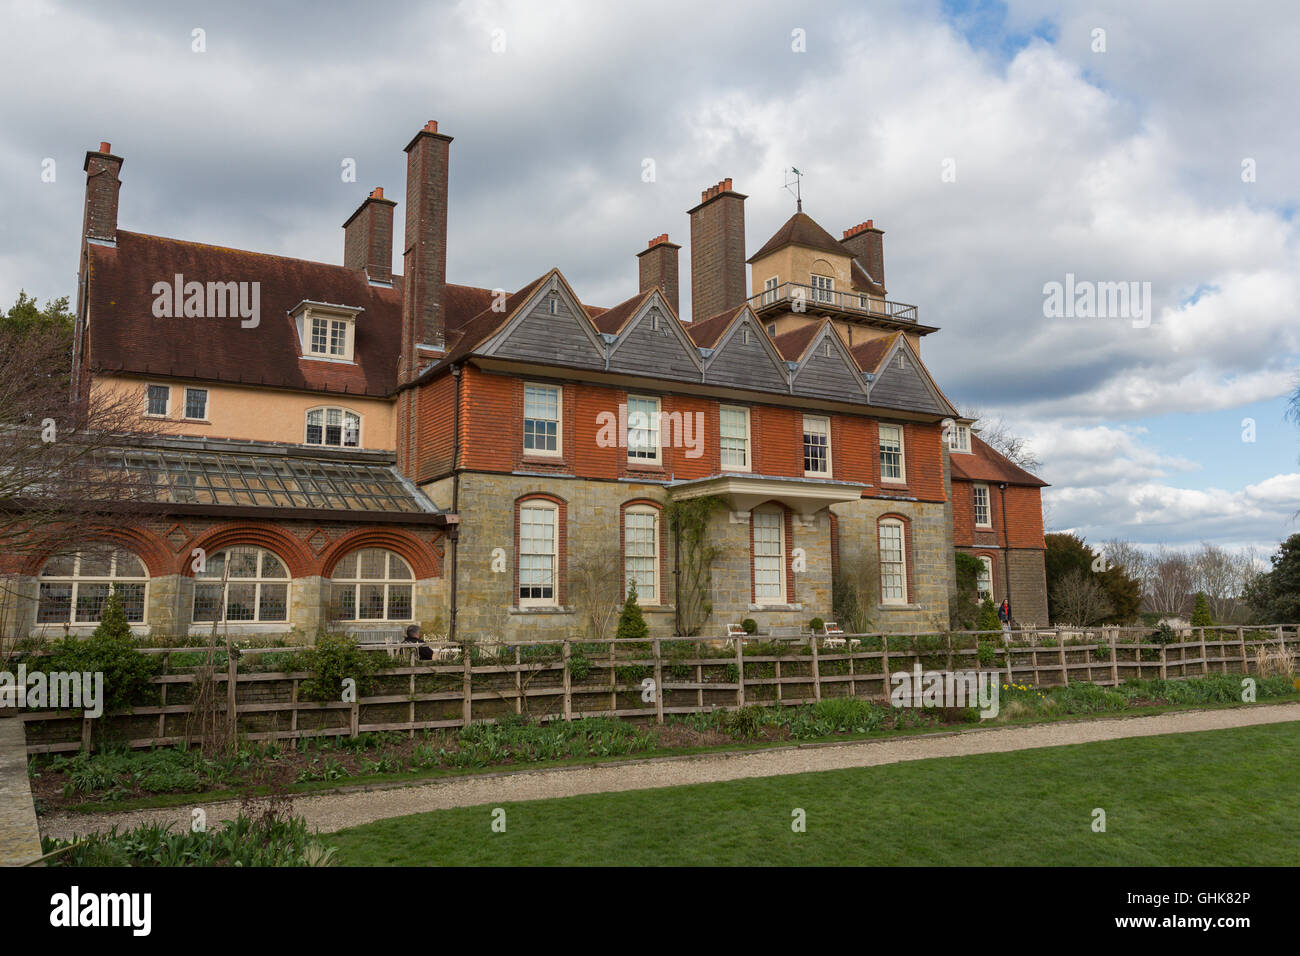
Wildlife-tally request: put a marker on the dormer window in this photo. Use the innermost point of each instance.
(959, 438)
(326, 331)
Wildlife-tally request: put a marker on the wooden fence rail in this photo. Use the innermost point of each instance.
(571, 679)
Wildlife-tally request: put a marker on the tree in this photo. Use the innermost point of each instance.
(1121, 592)
(1170, 582)
(1079, 599)
(1201, 611)
(1221, 575)
(631, 623)
(997, 434)
(1274, 595)
(595, 583)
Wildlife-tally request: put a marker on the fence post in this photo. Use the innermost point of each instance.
(467, 684)
(519, 684)
(232, 677)
(740, 672)
(1164, 661)
(816, 668)
(1205, 655)
(613, 681)
(1114, 661)
(1241, 640)
(659, 684)
(884, 664)
(1060, 651)
(1006, 649)
(568, 688)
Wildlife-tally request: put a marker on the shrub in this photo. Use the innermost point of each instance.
(110, 650)
(816, 624)
(987, 653)
(631, 622)
(335, 658)
(750, 625)
(988, 619)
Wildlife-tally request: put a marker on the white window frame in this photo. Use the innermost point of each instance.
(331, 322)
(559, 421)
(769, 289)
(388, 582)
(823, 288)
(185, 407)
(891, 523)
(901, 478)
(825, 420)
(343, 425)
(748, 447)
(988, 505)
(986, 564)
(551, 509)
(149, 414)
(759, 598)
(653, 429)
(75, 580)
(642, 511)
(258, 581)
(959, 439)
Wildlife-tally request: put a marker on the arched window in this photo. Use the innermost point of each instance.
(333, 426)
(74, 587)
(372, 584)
(257, 588)
(893, 562)
(768, 568)
(984, 580)
(538, 552)
(641, 553)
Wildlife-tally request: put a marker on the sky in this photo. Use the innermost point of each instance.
(1002, 147)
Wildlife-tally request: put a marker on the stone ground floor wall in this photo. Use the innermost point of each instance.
(1026, 571)
(488, 608)
(928, 556)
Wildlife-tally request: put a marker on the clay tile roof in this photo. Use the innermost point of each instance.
(125, 336)
(801, 229)
(706, 333)
(791, 345)
(611, 321)
(869, 354)
(985, 464)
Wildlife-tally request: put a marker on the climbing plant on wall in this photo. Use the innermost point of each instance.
(689, 521)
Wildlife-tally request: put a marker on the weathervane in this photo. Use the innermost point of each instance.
(797, 191)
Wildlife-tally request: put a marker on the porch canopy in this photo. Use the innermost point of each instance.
(804, 496)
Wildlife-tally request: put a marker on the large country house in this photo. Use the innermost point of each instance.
(349, 445)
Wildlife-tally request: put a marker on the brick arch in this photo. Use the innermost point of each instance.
(561, 543)
(993, 570)
(295, 555)
(425, 558)
(144, 544)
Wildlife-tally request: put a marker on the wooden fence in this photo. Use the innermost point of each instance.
(573, 678)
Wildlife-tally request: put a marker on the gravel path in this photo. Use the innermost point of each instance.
(335, 811)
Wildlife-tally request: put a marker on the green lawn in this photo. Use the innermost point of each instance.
(1224, 797)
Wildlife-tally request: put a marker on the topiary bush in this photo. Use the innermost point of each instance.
(631, 622)
(750, 625)
(816, 624)
(988, 618)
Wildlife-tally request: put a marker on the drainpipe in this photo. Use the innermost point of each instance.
(1006, 546)
(454, 535)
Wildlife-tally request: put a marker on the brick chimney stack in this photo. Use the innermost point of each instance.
(717, 251)
(368, 237)
(866, 243)
(424, 259)
(657, 264)
(102, 185)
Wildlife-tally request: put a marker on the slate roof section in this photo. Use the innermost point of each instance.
(985, 464)
(801, 230)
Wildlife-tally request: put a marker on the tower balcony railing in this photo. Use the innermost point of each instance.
(792, 294)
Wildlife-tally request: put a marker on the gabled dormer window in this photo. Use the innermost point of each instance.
(326, 331)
